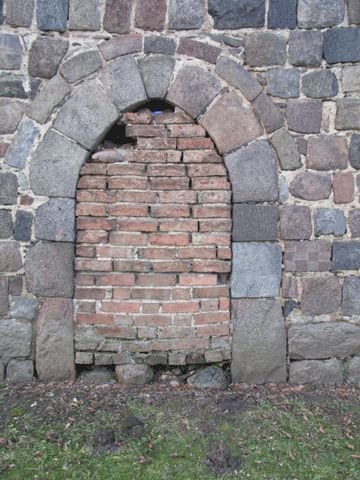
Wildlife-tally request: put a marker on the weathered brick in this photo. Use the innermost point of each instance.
(307, 256)
(320, 295)
(343, 186)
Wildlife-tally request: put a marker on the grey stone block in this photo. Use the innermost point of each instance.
(10, 52)
(1, 11)
(282, 14)
(306, 48)
(123, 81)
(15, 339)
(48, 98)
(307, 256)
(119, 46)
(253, 173)
(230, 124)
(304, 116)
(269, 113)
(55, 360)
(79, 110)
(12, 86)
(311, 186)
(318, 372)
(84, 15)
(23, 308)
(186, 14)
(322, 84)
(23, 224)
(117, 16)
(346, 255)
(353, 11)
(45, 56)
(283, 83)
(354, 223)
(134, 375)
(327, 152)
(6, 224)
(81, 65)
(323, 340)
(265, 49)
(2, 366)
(19, 13)
(320, 295)
(4, 295)
(52, 14)
(49, 269)
(259, 342)
(237, 76)
(156, 72)
(11, 112)
(329, 221)
(286, 150)
(193, 89)
(20, 371)
(283, 190)
(320, 13)
(255, 223)
(8, 188)
(342, 45)
(351, 78)
(347, 114)
(55, 166)
(10, 257)
(209, 377)
(354, 370)
(55, 220)
(235, 14)
(21, 145)
(295, 223)
(159, 44)
(256, 270)
(351, 296)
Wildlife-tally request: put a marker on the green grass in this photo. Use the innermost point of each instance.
(291, 438)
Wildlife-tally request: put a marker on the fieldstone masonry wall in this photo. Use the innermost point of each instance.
(275, 85)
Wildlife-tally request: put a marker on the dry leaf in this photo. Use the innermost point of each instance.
(350, 446)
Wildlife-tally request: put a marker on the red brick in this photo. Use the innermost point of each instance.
(126, 169)
(85, 251)
(224, 303)
(178, 130)
(149, 157)
(151, 293)
(215, 225)
(209, 305)
(181, 307)
(94, 236)
(172, 267)
(169, 239)
(214, 197)
(90, 223)
(209, 183)
(190, 344)
(167, 170)
(116, 279)
(175, 332)
(128, 183)
(210, 317)
(194, 143)
(186, 196)
(94, 265)
(182, 319)
(131, 239)
(95, 319)
(117, 332)
(213, 330)
(179, 226)
(95, 196)
(90, 293)
(113, 252)
(135, 225)
(224, 253)
(145, 131)
(137, 117)
(135, 197)
(194, 280)
(172, 118)
(207, 170)
(156, 253)
(84, 279)
(121, 293)
(146, 332)
(155, 320)
(181, 293)
(222, 239)
(131, 266)
(173, 156)
(156, 280)
(197, 252)
(170, 211)
(211, 292)
(217, 266)
(86, 307)
(169, 183)
(206, 211)
(150, 307)
(90, 209)
(343, 186)
(95, 181)
(130, 210)
(156, 143)
(120, 307)
(93, 169)
(201, 156)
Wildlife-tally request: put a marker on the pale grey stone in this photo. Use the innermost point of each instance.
(2, 372)
(256, 270)
(84, 15)
(19, 13)
(283, 83)
(283, 189)
(52, 14)
(329, 221)
(81, 65)
(22, 143)
(286, 149)
(186, 14)
(354, 370)
(55, 220)
(351, 78)
(156, 72)
(8, 188)
(48, 98)
(15, 339)
(319, 372)
(20, 371)
(11, 112)
(265, 49)
(323, 340)
(134, 375)
(320, 13)
(351, 296)
(347, 114)
(322, 84)
(55, 166)
(270, 115)
(209, 377)
(259, 342)
(23, 308)
(10, 52)
(6, 224)
(45, 56)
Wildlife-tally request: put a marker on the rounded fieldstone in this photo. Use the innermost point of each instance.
(209, 377)
(311, 186)
(327, 152)
(134, 375)
(320, 295)
(6, 224)
(8, 188)
(354, 151)
(306, 48)
(255, 222)
(117, 16)
(329, 221)
(282, 14)
(20, 371)
(351, 78)
(55, 220)
(23, 308)
(80, 65)
(84, 15)
(283, 83)
(10, 52)
(342, 45)
(354, 363)
(10, 257)
(321, 84)
(186, 14)
(21, 145)
(15, 339)
(52, 14)
(12, 86)
(97, 375)
(19, 13)
(45, 56)
(320, 13)
(319, 372)
(235, 14)
(295, 223)
(347, 114)
(11, 112)
(265, 49)
(304, 116)
(48, 98)
(150, 14)
(346, 255)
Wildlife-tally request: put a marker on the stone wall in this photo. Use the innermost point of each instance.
(274, 83)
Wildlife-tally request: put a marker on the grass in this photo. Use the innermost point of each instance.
(49, 434)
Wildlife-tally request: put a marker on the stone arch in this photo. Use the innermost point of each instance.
(228, 102)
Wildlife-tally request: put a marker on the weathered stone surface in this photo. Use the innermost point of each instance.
(329, 221)
(15, 285)
(48, 98)
(156, 72)
(354, 223)
(295, 223)
(256, 270)
(343, 187)
(320, 295)
(286, 149)
(323, 340)
(351, 78)
(119, 46)
(55, 340)
(23, 308)
(320, 13)
(304, 116)
(354, 369)
(4, 146)
(159, 44)
(19, 13)
(4, 296)
(10, 258)
(55, 220)
(255, 223)
(351, 296)
(265, 49)
(283, 83)
(15, 339)
(311, 186)
(117, 16)
(253, 173)
(269, 113)
(55, 166)
(186, 14)
(289, 286)
(150, 14)
(123, 81)
(237, 76)
(10, 52)
(259, 342)
(79, 110)
(230, 124)
(8, 188)
(12, 86)
(134, 375)
(1, 11)
(45, 56)
(97, 375)
(52, 14)
(306, 48)
(6, 224)
(209, 377)
(319, 372)
(353, 11)
(307, 256)
(346, 255)
(327, 152)
(11, 112)
(193, 89)
(282, 14)
(80, 65)
(194, 49)
(49, 269)
(20, 371)
(347, 113)
(84, 15)
(322, 84)
(22, 143)
(2, 366)
(23, 224)
(342, 45)
(234, 14)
